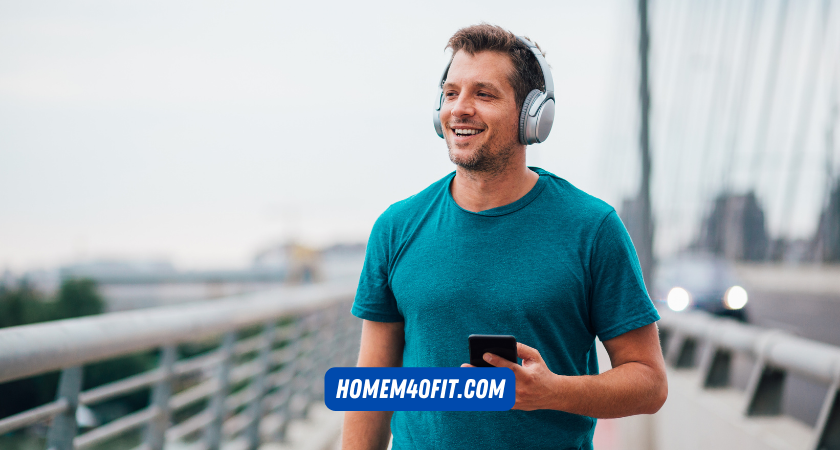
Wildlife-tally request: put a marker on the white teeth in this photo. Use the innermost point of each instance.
(462, 132)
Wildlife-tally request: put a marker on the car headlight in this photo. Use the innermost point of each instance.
(678, 299)
(735, 297)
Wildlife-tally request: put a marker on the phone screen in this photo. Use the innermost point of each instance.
(501, 345)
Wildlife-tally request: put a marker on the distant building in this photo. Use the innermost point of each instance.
(130, 284)
(735, 229)
(300, 263)
(142, 283)
(827, 239)
(343, 262)
(303, 264)
(105, 270)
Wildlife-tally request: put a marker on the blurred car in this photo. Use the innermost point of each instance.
(700, 281)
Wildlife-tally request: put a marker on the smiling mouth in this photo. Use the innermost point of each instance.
(466, 132)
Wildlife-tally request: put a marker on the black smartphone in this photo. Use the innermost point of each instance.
(497, 344)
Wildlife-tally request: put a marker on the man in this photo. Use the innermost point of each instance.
(501, 248)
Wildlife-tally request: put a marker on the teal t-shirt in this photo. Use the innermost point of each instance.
(555, 268)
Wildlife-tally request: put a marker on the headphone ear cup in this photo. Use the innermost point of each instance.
(436, 114)
(436, 121)
(523, 115)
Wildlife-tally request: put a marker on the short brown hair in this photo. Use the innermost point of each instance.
(526, 75)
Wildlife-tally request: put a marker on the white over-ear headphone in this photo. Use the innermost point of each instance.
(537, 114)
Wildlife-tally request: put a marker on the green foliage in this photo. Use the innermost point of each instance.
(99, 373)
(22, 306)
(77, 297)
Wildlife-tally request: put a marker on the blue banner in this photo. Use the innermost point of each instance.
(419, 389)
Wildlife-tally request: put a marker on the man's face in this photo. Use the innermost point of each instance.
(479, 114)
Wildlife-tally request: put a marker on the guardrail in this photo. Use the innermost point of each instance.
(252, 385)
(690, 336)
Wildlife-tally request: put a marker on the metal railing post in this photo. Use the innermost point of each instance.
(326, 347)
(63, 429)
(349, 344)
(766, 384)
(287, 391)
(665, 340)
(827, 430)
(675, 343)
(260, 386)
(680, 350)
(764, 393)
(356, 330)
(716, 368)
(213, 431)
(161, 393)
(311, 363)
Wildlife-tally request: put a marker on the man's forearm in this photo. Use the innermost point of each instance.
(366, 430)
(382, 346)
(631, 388)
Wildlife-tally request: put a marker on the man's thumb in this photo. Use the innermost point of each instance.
(526, 352)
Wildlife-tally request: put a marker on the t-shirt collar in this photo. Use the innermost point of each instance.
(510, 207)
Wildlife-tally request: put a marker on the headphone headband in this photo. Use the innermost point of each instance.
(537, 114)
(546, 71)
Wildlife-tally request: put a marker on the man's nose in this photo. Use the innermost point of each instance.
(463, 106)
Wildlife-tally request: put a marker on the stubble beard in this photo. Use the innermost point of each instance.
(490, 158)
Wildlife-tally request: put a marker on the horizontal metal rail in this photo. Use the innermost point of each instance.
(115, 428)
(776, 353)
(44, 347)
(227, 390)
(189, 426)
(812, 359)
(122, 387)
(33, 416)
(197, 363)
(193, 395)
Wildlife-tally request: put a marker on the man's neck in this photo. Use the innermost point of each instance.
(480, 191)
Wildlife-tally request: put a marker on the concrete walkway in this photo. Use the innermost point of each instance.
(321, 431)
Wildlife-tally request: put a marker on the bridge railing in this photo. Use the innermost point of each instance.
(275, 347)
(715, 343)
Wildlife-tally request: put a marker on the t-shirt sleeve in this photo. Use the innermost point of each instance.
(619, 302)
(374, 299)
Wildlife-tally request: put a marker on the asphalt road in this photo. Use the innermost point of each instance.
(809, 315)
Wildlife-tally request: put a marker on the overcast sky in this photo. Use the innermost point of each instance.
(204, 131)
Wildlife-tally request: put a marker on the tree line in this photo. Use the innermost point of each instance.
(23, 304)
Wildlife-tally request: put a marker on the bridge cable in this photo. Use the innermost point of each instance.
(699, 116)
(741, 93)
(612, 146)
(665, 85)
(719, 96)
(801, 131)
(834, 111)
(768, 98)
(677, 134)
(831, 126)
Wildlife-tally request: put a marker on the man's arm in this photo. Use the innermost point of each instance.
(636, 384)
(382, 346)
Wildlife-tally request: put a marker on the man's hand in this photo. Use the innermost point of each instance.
(635, 385)
(533, 378)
